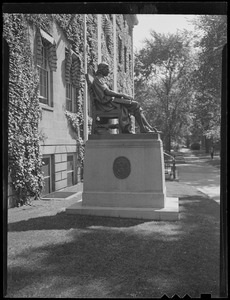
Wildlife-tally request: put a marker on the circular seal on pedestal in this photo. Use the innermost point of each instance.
(121, 167)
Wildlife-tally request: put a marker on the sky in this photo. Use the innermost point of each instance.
(159, 23)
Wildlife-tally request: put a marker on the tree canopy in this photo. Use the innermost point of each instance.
(178, 80)
(207, 77)
(163, 82)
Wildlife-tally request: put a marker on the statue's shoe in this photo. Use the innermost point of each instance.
(152, 128)
(147, 130)
(127, 132)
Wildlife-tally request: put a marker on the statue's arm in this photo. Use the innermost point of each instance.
(112, 93)
(117, 95)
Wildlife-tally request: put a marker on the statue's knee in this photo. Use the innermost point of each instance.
(136, 105)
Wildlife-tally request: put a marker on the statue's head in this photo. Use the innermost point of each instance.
(103, 69)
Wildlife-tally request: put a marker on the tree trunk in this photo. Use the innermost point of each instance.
(168, 143)
(207, 145)
(187, 142)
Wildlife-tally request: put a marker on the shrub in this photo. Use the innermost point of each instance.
(195, 146)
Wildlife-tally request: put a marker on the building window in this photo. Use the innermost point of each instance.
(108, 32)
(70, 96)
(47, 173)
(72, 79)
(70, 170)
(44, 72)
(119, 50)
(124, 21)
(125, 60)
(46, 55)
(130, 65)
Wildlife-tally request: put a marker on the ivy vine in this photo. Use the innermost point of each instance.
(75, 122)
(25, 159)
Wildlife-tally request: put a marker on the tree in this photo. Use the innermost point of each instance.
(163, 83)
(207, 77)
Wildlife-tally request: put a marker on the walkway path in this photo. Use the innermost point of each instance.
(196, 172)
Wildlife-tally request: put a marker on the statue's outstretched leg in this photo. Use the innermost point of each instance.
(140, 120)
(147, 124)
(135, 109)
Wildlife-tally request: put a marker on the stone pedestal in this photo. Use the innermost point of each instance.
(124, 177)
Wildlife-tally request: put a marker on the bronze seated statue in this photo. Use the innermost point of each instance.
(108, 104)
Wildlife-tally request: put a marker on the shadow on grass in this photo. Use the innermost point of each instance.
(110, 257)
(63, 221)
(66, 221)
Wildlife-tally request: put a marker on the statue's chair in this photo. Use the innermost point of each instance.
(100, 119)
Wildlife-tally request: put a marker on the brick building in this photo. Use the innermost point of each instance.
(64, 48)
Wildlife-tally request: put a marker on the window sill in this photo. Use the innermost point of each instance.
(46, 107)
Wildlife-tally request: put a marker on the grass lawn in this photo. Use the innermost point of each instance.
(54, 255)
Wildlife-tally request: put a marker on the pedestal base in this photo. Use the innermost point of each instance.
(169, 213)
(124, 177)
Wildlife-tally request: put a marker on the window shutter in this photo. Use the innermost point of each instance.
(39, 48)
(52, 51)
(68, 63)
(52, 56)
(76, 70)
(107, 27)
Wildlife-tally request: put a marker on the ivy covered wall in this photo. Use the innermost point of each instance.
(25, 114)
(125, 77)
(24, 111)
(107, 47)
(92, 41)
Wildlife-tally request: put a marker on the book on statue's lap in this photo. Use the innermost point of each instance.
(122, 101)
